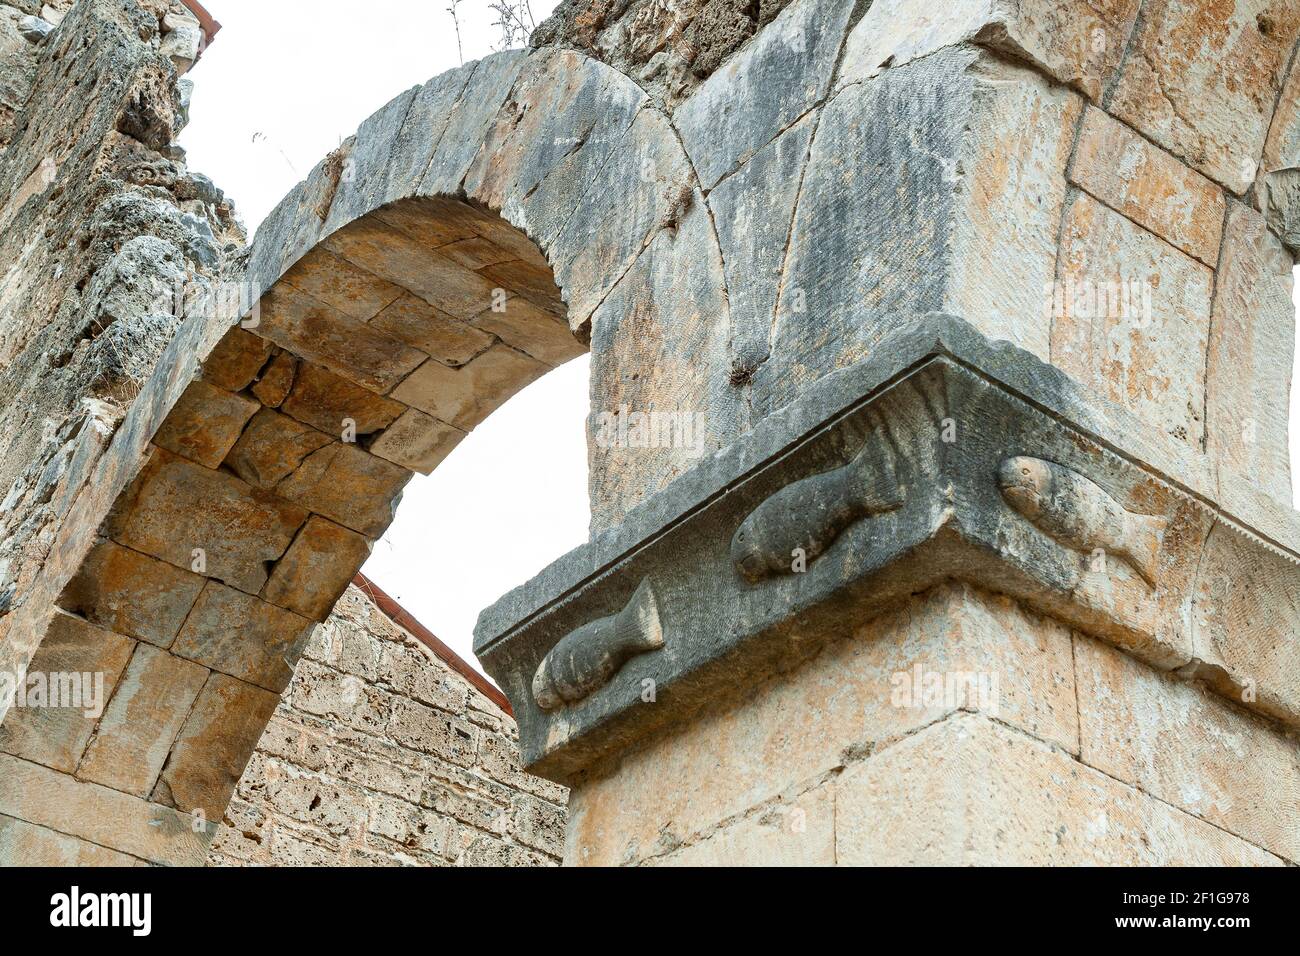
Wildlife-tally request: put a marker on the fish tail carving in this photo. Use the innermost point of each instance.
(1142, 538)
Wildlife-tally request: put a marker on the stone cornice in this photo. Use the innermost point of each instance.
(905, 452)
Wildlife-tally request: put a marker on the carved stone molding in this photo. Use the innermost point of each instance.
(890, 477)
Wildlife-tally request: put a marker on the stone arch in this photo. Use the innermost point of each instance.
(248, 480)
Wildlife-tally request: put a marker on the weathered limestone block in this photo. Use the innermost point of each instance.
(1277, 190)
(1013, 800)
(148, 709)
(235, 361)
(272, 447)
(934, 220)
(389, 252)
(1238, 591)
(276, 380)
(1073, 41)
(1248, 367)
(328, 403)
(1178, 89)
(435, 333)
(205, 423)
(1188, 748)
(341, 285)
(764, 89)
(1149, 186)
(874, 686)
(132, 594)
(524, 326)
(432, 731)
(1130, 320)
(795, 832)
(175, 508)
(243, 636)
(316, 569)
(214, 745)
(753, 209)
(25, 844)
(465, 396)
(94, 813)
(553, 144)
(347, 485)
(56, 735)
(417, 441)
(669, 316)
(320, 334)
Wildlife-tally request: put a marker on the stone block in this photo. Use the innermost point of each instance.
(764, 89)
(449, 340)
(385, 251)
(346, 698)
(348, 485)
(183, 513)
(204, 423)
(272, 448)
(1078, 43)
(753, 209)
(316, 569)
(96, 814)
(152, 701)
(325, 336)
(525, 326)
(968, 791)
(1277, 190)
(660, 342)
(214, 745)
(797, 832)
(276, 380)
(1176, 89)
(78, 666)
(328, 403)
(1248, 370)
(1189, 748)
(417, 441)
(1149, 186)
(952, 648)
(24, 844)
(465, 396)
(852, 279)
(1130, 319)
(235, 360)
(433, 732)
(132, 593)
(411, 671)
(341, 285)
(243, 636)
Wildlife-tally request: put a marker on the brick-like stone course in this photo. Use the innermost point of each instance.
(381, 754)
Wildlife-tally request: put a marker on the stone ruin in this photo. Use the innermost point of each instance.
(982, 549)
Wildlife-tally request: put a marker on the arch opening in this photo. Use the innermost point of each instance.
(262, 493)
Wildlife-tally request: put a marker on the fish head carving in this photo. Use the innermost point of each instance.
(1026, 483)
(747, 554)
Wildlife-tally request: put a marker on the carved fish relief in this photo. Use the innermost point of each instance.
(584, 660)
(811, 513)
(1077, 513)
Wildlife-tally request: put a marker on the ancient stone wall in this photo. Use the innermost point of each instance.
(381, 754)
(880, 255)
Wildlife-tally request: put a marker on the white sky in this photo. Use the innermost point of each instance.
(285, 82)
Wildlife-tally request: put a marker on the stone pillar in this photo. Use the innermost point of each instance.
(1001, 565)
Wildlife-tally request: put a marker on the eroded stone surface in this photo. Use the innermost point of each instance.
(1177, 89)
(465, 396)
(131, 593)
(316, 569)
(151, 703)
